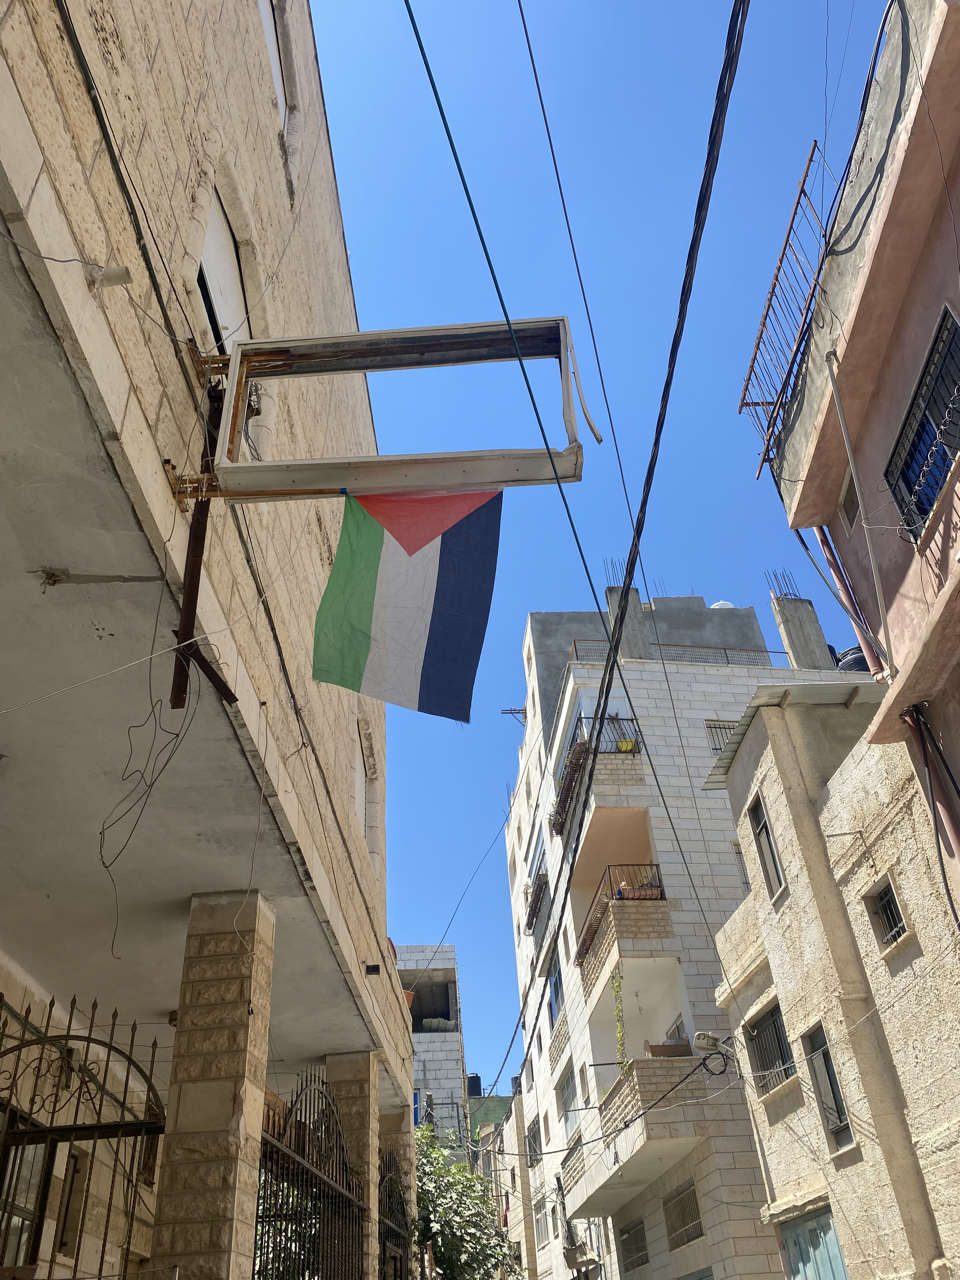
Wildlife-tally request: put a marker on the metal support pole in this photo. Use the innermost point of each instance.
(891, 669)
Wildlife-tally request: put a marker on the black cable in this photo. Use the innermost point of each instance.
(576, 258)
(936, 746)
(936, 822)
(94, 96)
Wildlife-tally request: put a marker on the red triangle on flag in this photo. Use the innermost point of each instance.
(415, 519)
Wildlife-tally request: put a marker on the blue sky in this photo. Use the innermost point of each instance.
(629, 89)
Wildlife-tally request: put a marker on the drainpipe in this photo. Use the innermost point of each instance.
(843, 589)
(891, 669)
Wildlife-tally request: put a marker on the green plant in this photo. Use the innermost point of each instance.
(456, 1216)
(616, 982)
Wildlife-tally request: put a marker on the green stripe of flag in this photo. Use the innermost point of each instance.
(341, 638)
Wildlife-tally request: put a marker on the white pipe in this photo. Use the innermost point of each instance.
(891, 669)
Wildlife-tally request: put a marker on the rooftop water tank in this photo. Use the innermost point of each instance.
(723, 604)
(853, 660)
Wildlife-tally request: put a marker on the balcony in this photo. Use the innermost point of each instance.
(618, 736)
(572, 1165)
(637, 883)
(646, 1145)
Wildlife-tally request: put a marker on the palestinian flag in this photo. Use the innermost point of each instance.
(405, 609)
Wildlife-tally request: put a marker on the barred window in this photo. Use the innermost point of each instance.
(889, 924)
(633, 1245)
(770, 1051)
(929, 442)
(718, 731)
(682, 1212)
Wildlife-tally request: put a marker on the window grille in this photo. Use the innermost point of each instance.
(929, 442)
(540, 1229)
(741, 865)
(718, 731)
(534, 1145)
(633, 1245)
(887, 910)
(772, 871)
(827, 1086)
(770, 1051)
(682, 1213)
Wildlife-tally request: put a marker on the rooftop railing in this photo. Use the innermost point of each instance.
(708, 655)
(631, 882)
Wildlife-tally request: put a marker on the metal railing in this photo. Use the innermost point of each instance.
(709, 655)
(776, 366)
(619, 735)
(627, 882)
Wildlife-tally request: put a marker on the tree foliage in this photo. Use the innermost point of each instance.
(456, 1216)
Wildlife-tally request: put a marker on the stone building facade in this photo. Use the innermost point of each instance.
(842, 967)
(621, 1148)
(215, 872)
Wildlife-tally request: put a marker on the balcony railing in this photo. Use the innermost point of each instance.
(709, 655)
(776, 367)
(625, 883)
(619, 735)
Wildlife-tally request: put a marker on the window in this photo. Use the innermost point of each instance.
(23, 1181)
(772, 872)
(416, 1107)
(566, 946)
(513, 1178)
(718, 731)
(827, 1088)
(633, 1245)
(584, 1086)
(526, 788)
(555, 1222)
(555, 979)
(539, 1044)
(741, 865)
(534, 1144)
(546, 1129)
(682, 1213)
(220, 281)
(886, 916)
(512, 871)
(677, 1032)
(929, 442)
(770, 1051)
(540, 1230)
(567, 1103)
(71, 1203)
(269, 19)
(518, 933)
(849, 503)
(529, 1075)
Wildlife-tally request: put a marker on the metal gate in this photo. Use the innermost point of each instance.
(310, 1205)
(80, 1125)
(394, 1226)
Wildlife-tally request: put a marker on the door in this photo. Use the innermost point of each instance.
(811, 1248)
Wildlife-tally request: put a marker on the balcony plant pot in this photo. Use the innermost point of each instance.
(626, 745)
(409, 998)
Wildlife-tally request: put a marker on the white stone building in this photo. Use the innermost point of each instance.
(611, 1010)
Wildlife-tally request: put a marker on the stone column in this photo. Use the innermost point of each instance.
(207, 1195)
(352, 1079)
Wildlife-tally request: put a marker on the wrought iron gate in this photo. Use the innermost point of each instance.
(310, 1205)
(394, 1226)
(80, 1125)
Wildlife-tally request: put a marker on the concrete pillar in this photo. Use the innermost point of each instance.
(353, 1082)
(635, 642)
(207, 1197)
(801, 634)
